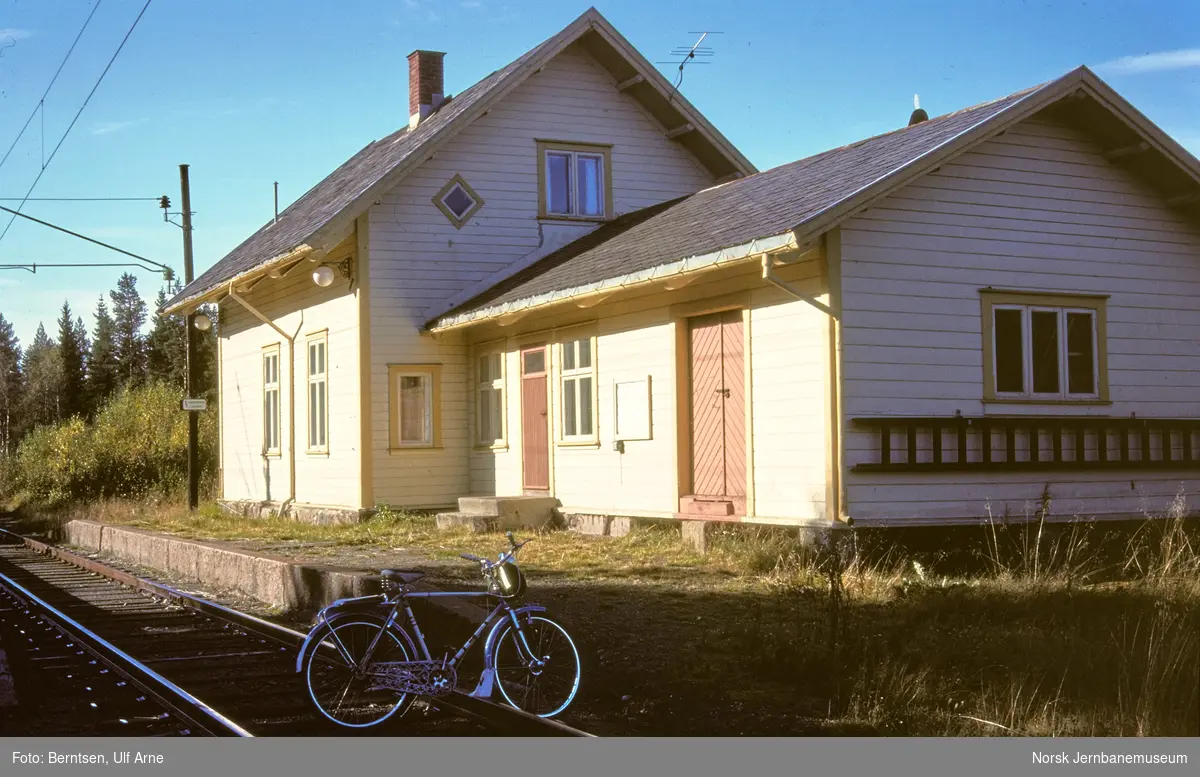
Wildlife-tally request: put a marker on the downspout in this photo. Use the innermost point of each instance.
(291, 341)
(769, 276)
(834, 312)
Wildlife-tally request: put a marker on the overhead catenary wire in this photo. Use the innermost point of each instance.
(78, 113)
(42, 102)
(79, 199)
(157, 265)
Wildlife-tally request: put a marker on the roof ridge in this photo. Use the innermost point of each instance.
(854, 144)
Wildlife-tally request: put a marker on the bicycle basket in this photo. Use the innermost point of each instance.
(507, 581)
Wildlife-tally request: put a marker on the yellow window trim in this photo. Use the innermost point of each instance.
(1098, 303)
(438, 198)
(603, 149)
(435, 373)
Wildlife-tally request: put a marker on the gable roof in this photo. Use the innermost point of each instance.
(796, 202)
(323, 216)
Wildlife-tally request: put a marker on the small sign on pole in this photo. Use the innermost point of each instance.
(195, 404)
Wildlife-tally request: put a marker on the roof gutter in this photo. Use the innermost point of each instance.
(295, 254)
(291, 341)
(690, 266)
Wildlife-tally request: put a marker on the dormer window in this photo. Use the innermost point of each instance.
(574, 181)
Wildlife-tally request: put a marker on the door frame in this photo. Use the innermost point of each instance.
(546, 376)
(680, 315)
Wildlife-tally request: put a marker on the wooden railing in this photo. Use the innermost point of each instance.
(991, 443)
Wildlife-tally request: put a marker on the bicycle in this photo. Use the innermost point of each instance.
(361, 665)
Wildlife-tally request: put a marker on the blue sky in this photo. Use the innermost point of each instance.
(248, 93)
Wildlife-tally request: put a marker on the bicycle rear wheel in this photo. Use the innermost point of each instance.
(339, 689)
(543, 679)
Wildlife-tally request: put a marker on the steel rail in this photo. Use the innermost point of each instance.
(179, 701)
(490, 713)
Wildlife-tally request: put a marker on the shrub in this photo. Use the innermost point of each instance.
(135, 448)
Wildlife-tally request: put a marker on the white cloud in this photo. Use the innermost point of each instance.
(9, 34)
(106, 127)
(1154, 62)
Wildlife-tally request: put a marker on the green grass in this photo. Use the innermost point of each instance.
(1009, 629)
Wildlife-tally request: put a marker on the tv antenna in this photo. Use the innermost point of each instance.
(697, 53)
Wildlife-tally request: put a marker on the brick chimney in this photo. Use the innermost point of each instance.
(425, 90)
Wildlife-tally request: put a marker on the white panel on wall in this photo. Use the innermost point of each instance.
(632, 410)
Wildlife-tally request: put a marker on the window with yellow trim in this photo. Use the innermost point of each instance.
(1044, 347)
(318, 392)
(574, 180)
(577, 383)
(414, 405)
(271, 444)
(489, 404)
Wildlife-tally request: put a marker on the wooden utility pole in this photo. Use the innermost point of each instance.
(193, 465)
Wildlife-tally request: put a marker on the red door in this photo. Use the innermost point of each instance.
(718, 415)
(535, 434)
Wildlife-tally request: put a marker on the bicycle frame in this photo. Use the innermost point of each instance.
(496, 619)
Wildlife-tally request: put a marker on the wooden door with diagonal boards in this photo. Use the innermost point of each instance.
(718, 412)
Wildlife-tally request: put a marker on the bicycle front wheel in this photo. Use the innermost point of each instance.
(537, 668)
(339, 687)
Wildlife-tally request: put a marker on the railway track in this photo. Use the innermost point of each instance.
(95, 650)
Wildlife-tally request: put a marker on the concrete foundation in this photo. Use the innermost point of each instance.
(696, 534)
(304, 513)
(276, 581)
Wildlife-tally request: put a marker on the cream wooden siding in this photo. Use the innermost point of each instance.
(1037, 208)
(790, 368)
(292, 303)
(637, 339)
(419, 259)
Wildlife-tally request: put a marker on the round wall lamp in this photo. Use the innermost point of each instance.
(324, 276)
(202, 322)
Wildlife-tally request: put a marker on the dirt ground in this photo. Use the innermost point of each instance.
(753, 640)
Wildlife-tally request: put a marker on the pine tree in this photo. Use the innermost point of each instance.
(72, 398)
(11, 383)
(128, 315)
(166, 346)
(102, 372)
(43, 377)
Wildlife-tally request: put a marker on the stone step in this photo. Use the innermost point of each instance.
(477, 524)
(511, 512)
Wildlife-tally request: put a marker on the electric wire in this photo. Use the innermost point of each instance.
(42, 102)
(78, 114)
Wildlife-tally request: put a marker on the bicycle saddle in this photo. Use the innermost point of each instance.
(402, 575)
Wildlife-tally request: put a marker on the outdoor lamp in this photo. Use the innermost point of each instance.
(323, 276)
(202, 322)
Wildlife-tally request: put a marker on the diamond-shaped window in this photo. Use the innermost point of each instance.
(458, 201)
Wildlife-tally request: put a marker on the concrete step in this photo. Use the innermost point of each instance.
(474, 523)
(510, 512)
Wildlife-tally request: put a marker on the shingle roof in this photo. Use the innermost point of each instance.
(765, 204)
(305, 217)
(314, 218)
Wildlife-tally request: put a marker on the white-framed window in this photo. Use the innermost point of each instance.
(577, 381)
(574, 180)
(271, 443)
(489, 404)
(318, 392)
(414, 405)
(1044, 348)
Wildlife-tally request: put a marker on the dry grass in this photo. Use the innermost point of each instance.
(1017, 628)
